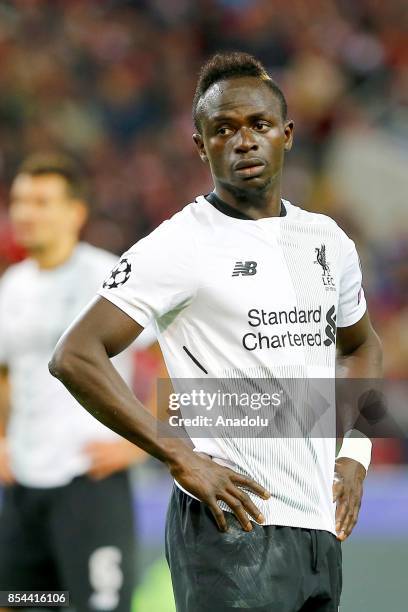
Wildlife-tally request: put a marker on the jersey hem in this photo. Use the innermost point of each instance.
(130, 311)
(298, 524)
(351, 320)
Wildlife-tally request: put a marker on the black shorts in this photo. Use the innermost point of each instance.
(77, 538)
(270, 569)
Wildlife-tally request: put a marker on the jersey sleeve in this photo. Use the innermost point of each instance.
(155, 277)
(352, 303)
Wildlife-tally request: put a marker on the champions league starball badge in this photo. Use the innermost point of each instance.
(119, 275)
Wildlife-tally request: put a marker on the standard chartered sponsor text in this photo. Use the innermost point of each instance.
(260, 318)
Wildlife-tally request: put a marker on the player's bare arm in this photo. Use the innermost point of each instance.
(360, 355)
(6, 475)
(111, 456)
(81, 362)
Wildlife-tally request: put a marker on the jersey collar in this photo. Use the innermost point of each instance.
(228, 210)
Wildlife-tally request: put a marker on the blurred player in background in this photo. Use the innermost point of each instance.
(66, 522)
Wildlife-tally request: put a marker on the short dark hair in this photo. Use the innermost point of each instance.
(234, 64)
(65, 166)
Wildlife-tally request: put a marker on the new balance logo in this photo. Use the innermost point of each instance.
(245, 268)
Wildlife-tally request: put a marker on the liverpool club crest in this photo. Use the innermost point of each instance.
(321, 259)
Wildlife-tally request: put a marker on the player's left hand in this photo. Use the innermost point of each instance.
(347, 492)
(113, 456)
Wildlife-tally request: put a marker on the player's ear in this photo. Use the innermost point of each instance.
(198, 139)
(288, 130)
(81, 213)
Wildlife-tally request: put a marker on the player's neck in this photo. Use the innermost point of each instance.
(55, 255)
(254, 204)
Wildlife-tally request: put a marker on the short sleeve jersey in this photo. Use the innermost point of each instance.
(262, 298)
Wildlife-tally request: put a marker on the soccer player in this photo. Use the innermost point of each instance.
(66, 521)
(239, 283)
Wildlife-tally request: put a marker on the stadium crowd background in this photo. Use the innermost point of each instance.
(111, 82)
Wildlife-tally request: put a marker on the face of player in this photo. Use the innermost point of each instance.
(244, 136)
(42, 212)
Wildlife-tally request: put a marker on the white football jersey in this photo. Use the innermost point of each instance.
(235, 298)
(48, 429)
